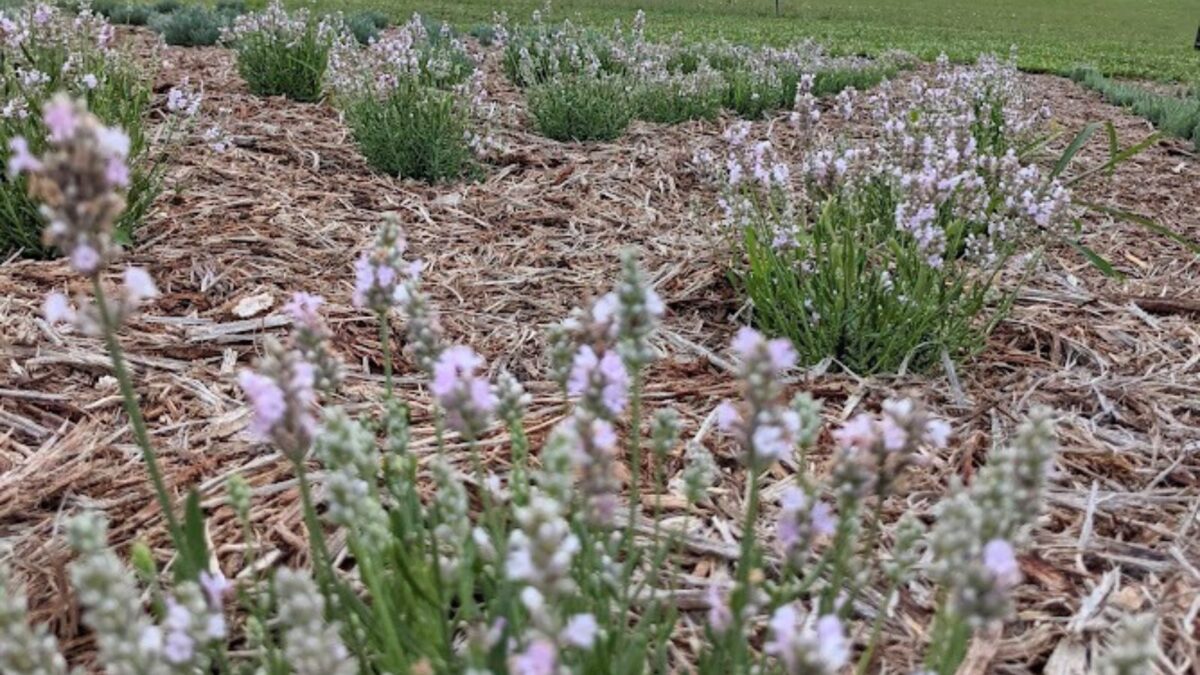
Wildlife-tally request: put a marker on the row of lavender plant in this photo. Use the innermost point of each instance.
(413, 99)
(585, 84)
(544, 568)
(44, 50)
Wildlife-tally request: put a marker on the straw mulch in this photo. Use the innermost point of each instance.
(292, 204)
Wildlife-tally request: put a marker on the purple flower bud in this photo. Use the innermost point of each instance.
(57, 309)
(138, 285)
(580, 631)
(59, 116)
(21, 159)
(1000, 560)
(266, 401)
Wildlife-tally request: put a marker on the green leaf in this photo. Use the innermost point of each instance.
(1144, 222)
(1076, 144)
(1118, 158)
(1114, 146)
(1098, 261)
(195, 559)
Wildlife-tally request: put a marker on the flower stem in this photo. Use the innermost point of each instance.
(868, 653)
(385, 342)
(635, 452)
(134, 411)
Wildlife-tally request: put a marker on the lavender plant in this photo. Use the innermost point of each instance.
(194, 26)
(882, 255)
(540, 52)
(366, 25)
(412, 104)
(44, 51)
(284, 54)
(79, 181)
(543, 569)
(581, 108)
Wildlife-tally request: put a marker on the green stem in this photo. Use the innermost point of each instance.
(635, 451)
(385, 341)
(864, 661)
(745, 561)
(872, 540)
(322, 561)
(134, 411)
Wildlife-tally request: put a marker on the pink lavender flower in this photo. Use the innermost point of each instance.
(113, 142)
(937, 433)
(266, 400)
(57, 309)
(801, 520)
(179, 647)
(720, 616)
(138, 285)
(467, 399)
(85, 259)
(60, 119)
(767, 430)
(834, 649)
(21, 160)
(1000, 560)
(602, 380)
(182, 99)
(304, 308)
(804, 649)
(381, 275)
(727, 416)
(539, 658)
(215, 587)
(749, 343)
(580, 631)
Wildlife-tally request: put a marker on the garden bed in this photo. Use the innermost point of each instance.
(291, 204)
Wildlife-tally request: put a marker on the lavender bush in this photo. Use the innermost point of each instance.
(882, 255)
(43, 51)
(414, 102)
(284, 54)
(542, 569)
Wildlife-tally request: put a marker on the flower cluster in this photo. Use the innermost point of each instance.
(311, 337)
(874, 450)
(275, 21)
(281, 53)
(972, 542)
(466, 398)
(24, 649)
(283, 389)
(802, 520)
(766, 430)
(406, 54)
(347, 450)
(126, 639)
(804, 647)
(311, 646)
(78, 181)
(380, 273)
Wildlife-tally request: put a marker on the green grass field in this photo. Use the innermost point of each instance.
(1149, 39)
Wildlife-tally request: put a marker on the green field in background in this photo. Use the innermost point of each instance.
(1149, 39)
